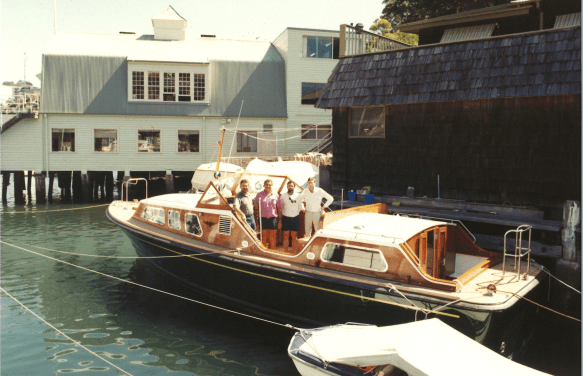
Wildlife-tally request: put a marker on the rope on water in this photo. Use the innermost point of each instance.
(571, 287)
(77, 343)
(52, 211)
(151, 288)
(538, 304)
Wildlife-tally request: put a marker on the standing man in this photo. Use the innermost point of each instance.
(313, 198)
(244, 205)
(292, 205)
(270, 208)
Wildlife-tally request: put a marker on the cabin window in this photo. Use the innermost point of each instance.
(316, 132)
(163, 83)
(321, 47)
(246, 142)
(149, 141)
(360, 258)
(367, 122)
(63, 139)
(192, 225)
(311, 91)
(188, 141)
(105, 140)
(174, 219)
(267, 128)
(155, 215)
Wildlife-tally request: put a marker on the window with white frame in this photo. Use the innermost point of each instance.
(367, 122)
(168, 83)
(316, 131)
(188, 141)
(149, 141)
(246, 142)
(321, 47)
(105, 140)
(192, 224)
(62, 139)
(311, 91)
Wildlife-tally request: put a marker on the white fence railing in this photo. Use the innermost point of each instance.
(356, 41)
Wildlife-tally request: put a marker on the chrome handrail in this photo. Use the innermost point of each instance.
(135, 181)
(518, 248)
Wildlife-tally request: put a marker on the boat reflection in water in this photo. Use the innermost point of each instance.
(362, 265)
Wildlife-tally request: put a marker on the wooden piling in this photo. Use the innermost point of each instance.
(86, 184)
(169, 178)
(109, 186)
(19, 188)
(29, 186)
(5, 184)
(571, 218)
(51, 182)
(40, 187)
(65, 185)
(118, 183)
(77, 186)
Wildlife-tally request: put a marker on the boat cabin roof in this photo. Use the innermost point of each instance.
(175, 200)
(374, 224)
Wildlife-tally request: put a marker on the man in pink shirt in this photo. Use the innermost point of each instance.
(270, 205)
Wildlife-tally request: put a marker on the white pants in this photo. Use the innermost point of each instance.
(312, 217)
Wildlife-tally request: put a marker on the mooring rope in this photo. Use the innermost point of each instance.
(56, 210)
(77, 343)
(538, 304)
(151, 288)
(571, 287)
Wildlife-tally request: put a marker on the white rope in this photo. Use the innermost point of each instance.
(150, 288)
(236, 127)
(52, 211)
(546, 271)
(313, 128)
(77, 343)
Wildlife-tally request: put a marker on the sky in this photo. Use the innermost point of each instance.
(27, 26)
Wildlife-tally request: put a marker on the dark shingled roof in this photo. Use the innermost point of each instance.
(547, 62)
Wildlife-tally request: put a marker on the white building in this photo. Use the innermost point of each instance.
(127, 102)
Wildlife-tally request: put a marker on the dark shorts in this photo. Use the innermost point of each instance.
(269, 223)
(290, 223)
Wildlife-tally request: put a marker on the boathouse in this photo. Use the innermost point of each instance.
(154, 105)
(486, 109)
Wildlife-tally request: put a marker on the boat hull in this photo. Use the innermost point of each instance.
(306, 300)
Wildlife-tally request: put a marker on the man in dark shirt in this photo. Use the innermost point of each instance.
(244, 205)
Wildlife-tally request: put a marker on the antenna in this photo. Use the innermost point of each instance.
(236, 127)
(25, 66)
(55, 15)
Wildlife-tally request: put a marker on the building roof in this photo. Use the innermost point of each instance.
(531, 64)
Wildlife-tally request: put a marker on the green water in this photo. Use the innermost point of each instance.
(142, 332)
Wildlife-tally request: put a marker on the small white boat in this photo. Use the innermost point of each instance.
(422, 348)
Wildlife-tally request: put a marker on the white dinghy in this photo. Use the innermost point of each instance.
(422, 348)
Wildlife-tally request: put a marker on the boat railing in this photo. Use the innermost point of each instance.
(132, 181)
(519, 250)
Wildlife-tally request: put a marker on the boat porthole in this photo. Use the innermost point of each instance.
(244, 243)
(310, 256)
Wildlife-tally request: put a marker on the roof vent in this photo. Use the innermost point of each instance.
(208, 36)
(169, 25)
(126, 32)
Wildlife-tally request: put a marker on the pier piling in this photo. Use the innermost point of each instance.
(77, 187)
(40, 187)
(19, 187)
(86, 185)
(169, 178)
(51, 182)
(5, 184)
(29, 186)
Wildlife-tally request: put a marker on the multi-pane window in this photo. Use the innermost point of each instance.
(184, 87)
(311, 91)
(63, 139)
(149, 141)
(199, 87)
(360, 258)
(169, 87)
(316, 132)
(188, 141)
(153, 85)
(367, 122)
(246, 142)
(105, 140)
(137, 85)
(321, 47)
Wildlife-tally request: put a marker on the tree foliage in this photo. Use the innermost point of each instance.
(397, 12)
(384, 28)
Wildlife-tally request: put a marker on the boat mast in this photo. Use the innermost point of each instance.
(217, 173)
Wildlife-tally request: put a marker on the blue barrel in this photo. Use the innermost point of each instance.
(369, 199)
(351, 196)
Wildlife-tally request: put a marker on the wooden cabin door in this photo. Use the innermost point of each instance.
(439, 249)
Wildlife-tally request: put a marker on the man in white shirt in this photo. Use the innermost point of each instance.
(292, 205)
(313, 199)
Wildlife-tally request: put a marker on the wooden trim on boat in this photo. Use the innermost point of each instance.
(478, 269)
(330, 217)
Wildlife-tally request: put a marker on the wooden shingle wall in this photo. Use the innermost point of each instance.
(539, 63)
(523, 151)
